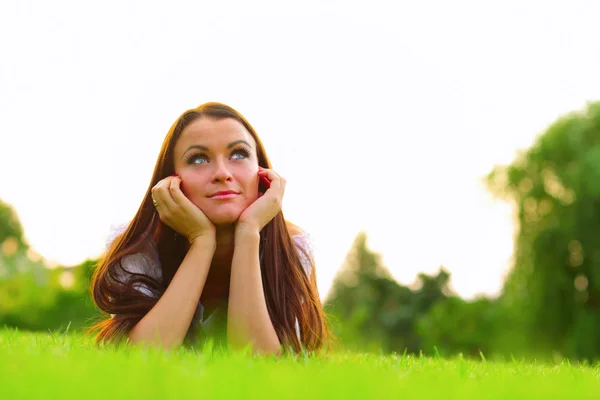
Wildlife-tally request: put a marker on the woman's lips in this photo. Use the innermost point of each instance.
(224, 195)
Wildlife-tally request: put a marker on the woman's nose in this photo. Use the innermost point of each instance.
(221, 173)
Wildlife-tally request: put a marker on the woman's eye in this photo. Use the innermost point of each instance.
(197, 159)
(240, 154)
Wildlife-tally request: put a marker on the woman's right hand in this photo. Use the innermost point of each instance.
(179, 213)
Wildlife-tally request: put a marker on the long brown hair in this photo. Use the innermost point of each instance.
(289, 292)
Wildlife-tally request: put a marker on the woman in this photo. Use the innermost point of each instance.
(209, 252)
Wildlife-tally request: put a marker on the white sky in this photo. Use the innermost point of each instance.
(382, 116)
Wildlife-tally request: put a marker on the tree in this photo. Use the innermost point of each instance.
(10, 226)
(359, 291)
(33, 297)
(13, 249)
(553, 290)
(457, 326)
(374, 312)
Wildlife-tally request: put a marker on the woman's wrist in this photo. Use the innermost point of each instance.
(246, 231)
(205, 242)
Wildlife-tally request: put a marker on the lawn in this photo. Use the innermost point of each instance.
(38, 365)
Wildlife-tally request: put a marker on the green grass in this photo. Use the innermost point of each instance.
(69, 366)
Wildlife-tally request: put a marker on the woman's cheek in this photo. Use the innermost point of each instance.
(254, 190)
(191, 187)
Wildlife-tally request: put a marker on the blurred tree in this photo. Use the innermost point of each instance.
(457, 326)
(359, 288)
(552, 294)
(10, 226)
(13, 248)
(374, 312)
(34, 297)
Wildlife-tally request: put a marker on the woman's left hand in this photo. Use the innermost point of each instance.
(267, 206)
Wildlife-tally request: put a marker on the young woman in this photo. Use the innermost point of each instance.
(209, 253)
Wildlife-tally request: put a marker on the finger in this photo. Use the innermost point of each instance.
(156, 203)
(268, 173)
(162, 196)
(276, 181)
(178, 197)
(264, 180)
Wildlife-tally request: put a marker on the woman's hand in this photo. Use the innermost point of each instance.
(267, 206)
(179, 213)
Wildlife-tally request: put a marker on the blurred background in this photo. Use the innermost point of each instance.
(444, 157)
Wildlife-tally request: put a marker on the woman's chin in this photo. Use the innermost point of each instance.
(225, 217)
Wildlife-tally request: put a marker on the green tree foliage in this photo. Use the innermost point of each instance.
(10, 226)
(372, 311)
(457, 326)
(33, 296)
(552, 294)
(13, 249)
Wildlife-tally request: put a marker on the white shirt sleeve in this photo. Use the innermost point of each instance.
(303, 241)
(140, 263)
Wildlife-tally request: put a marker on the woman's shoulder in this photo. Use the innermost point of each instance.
(300, 236)
(114, 232)
(294, 229)
(304, 243)
(146, 262)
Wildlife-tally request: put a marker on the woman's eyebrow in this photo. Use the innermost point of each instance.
(195, 146)
(230, 145)
(204, 148)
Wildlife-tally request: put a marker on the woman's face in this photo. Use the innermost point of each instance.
(213, 156)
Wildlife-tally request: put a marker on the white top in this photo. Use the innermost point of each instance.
(148, 263)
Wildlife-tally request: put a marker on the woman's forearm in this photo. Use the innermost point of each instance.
(248, 320)
(167, 323)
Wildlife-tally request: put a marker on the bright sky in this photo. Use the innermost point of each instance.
(382, 116)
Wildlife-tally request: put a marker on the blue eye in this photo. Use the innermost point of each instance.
(239, 154)
(193, 158)
(200, 158)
